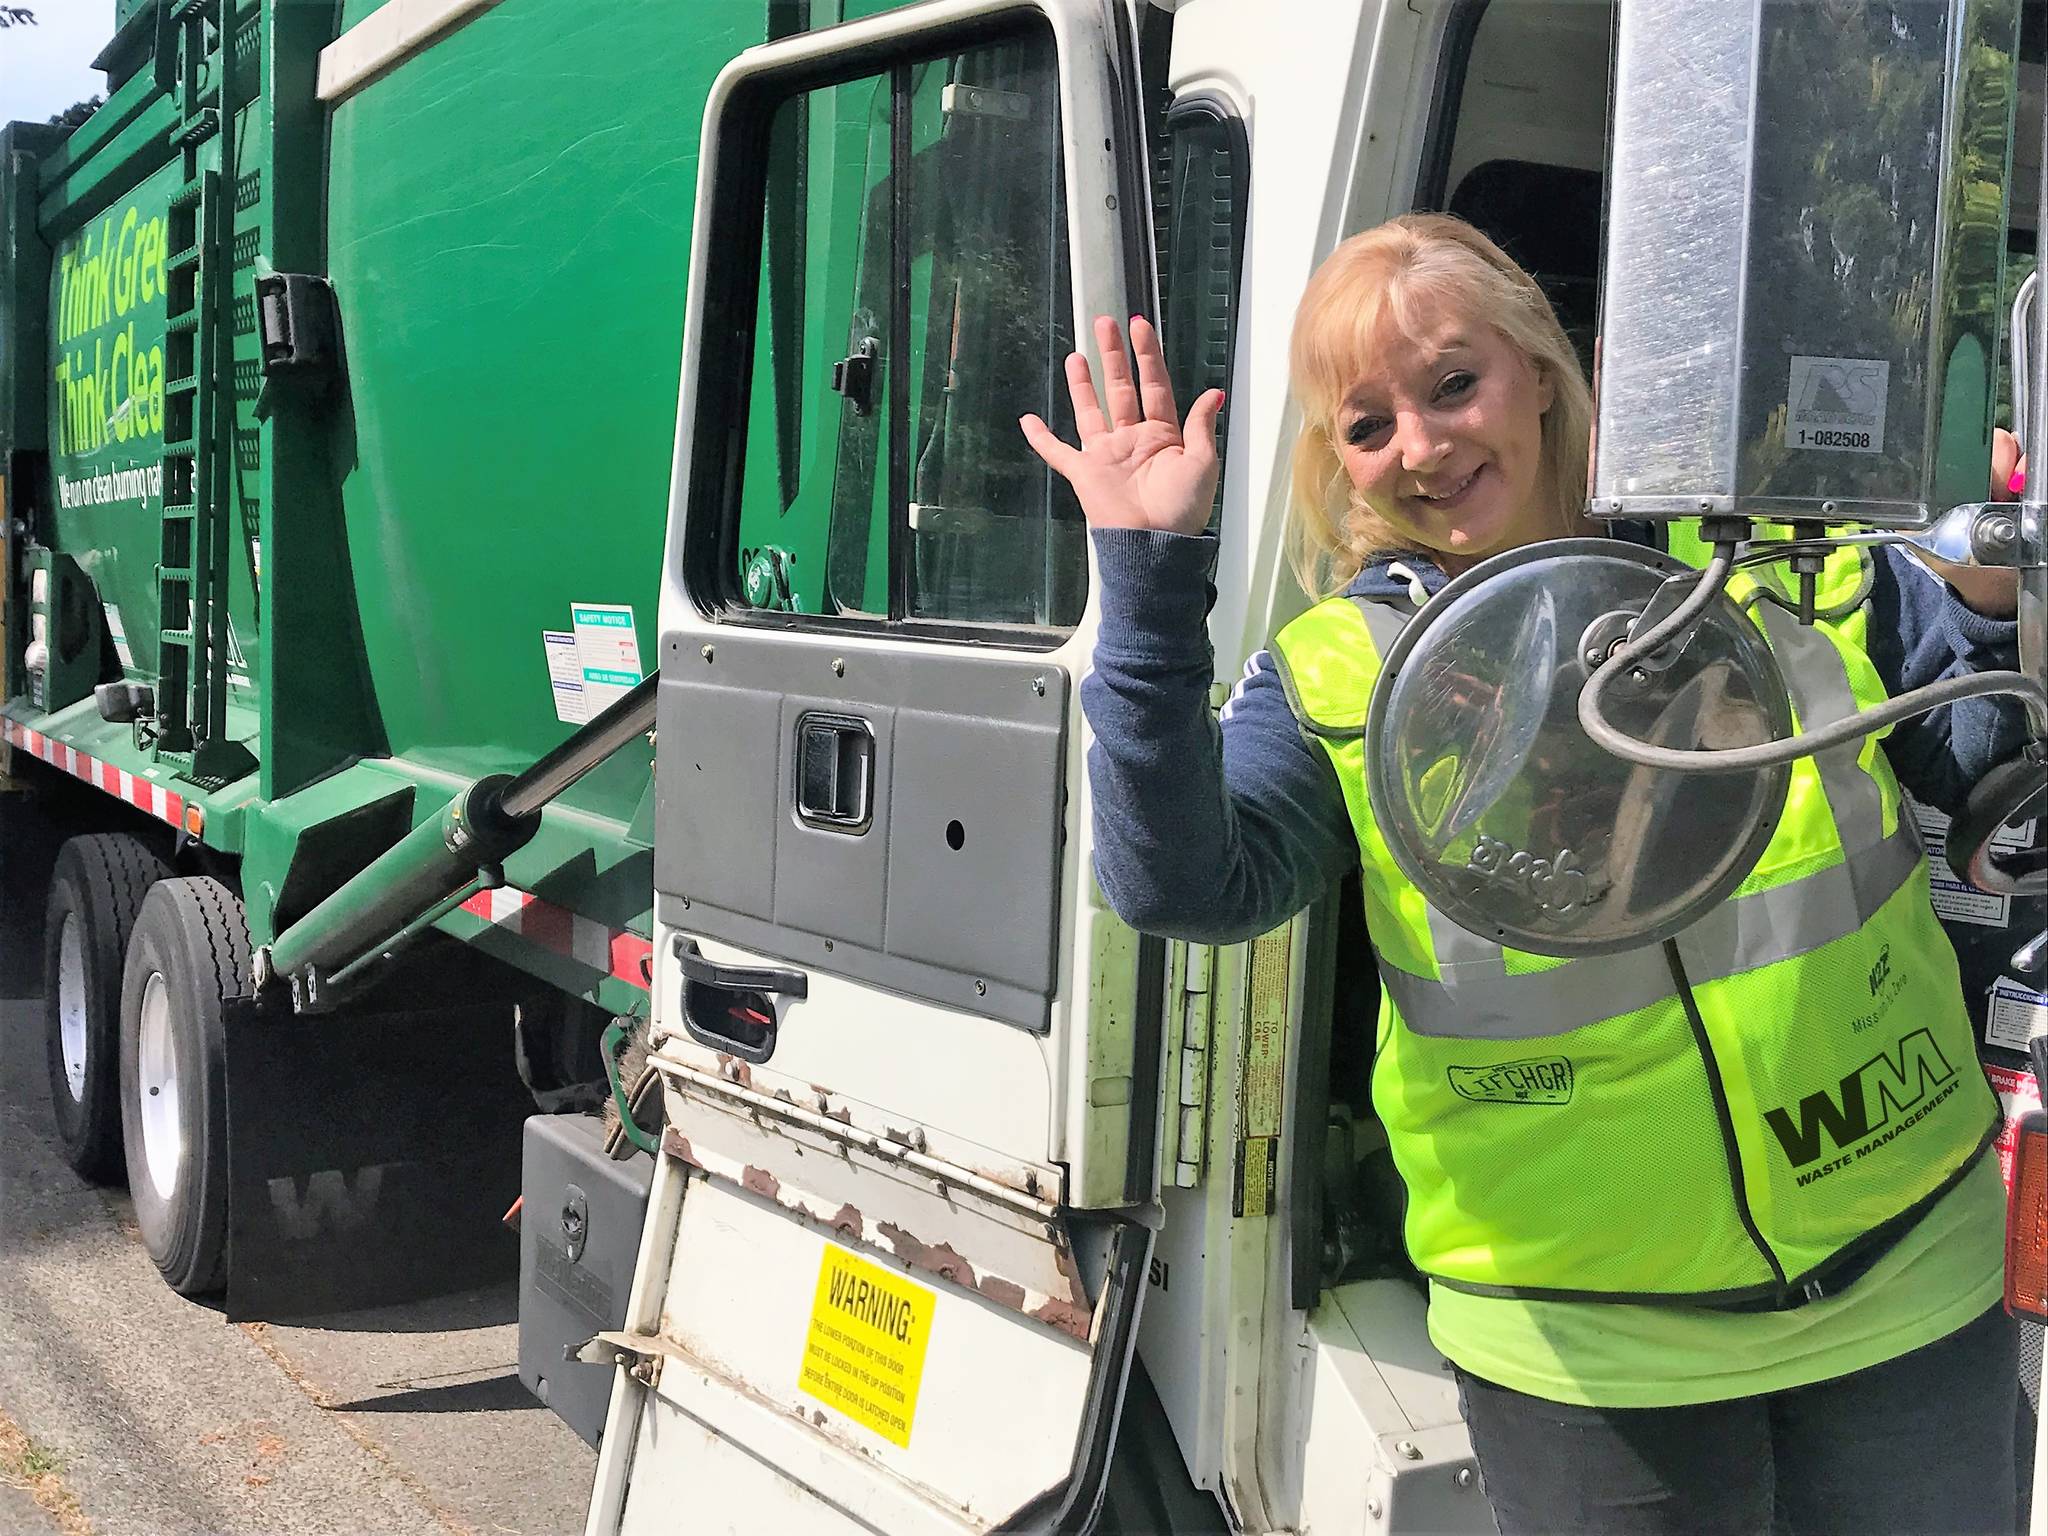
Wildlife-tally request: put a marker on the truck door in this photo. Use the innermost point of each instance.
(910, 1062)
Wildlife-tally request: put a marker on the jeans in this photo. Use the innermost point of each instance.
(1920, 1444)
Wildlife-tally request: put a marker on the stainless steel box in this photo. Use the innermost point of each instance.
(1805, 241)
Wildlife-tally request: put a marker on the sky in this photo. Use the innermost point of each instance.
(46, 67)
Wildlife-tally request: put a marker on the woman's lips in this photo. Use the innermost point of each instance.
(1456, 496)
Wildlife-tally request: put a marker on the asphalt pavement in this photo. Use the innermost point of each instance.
(126, 1410)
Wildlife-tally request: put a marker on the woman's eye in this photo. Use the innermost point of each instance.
(1362, 432)
(1456, 384)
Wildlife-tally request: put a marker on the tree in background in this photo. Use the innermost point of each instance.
(16, 16)
(77, 112)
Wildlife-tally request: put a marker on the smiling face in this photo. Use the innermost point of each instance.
(1441, 435)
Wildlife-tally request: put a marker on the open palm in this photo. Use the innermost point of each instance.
(1136, 467)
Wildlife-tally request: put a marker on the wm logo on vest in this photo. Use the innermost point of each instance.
(1540, 1080)
(1909, 1082)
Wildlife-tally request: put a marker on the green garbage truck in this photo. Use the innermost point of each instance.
(338, 353)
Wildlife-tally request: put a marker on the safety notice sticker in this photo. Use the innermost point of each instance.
(1954, 901)
(2017, 1094)
(2014, 1014)
(608, 651)
(864, 1353)
(1837, 403)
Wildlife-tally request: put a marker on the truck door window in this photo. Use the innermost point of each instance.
(912, 304)
(809, 468)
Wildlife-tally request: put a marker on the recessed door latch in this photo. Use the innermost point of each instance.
(835, 773)
(854, 376)
(295, 318)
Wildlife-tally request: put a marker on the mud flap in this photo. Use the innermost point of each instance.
(371, 1156)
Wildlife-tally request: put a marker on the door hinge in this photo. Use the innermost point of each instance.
(1188, 1107)
(642, 1354)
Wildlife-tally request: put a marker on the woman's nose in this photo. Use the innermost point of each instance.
(1421, 448)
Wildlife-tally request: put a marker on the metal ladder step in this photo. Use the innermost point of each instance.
(196, 129)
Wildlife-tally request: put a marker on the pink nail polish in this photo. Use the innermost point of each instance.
(2018, 482)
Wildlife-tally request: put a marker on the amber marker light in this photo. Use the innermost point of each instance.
(2026, 1221)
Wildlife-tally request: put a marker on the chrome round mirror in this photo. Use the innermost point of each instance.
(1492, 799)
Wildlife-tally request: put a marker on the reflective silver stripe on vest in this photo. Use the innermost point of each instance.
(1818, 680)
(1477, 999)
(1384, 621)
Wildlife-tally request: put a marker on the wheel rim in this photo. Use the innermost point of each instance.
(71, 1034)
(163, 1123)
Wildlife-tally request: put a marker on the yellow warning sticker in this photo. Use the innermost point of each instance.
(864, 1354)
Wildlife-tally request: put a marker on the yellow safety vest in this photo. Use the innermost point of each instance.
(1744, 1116)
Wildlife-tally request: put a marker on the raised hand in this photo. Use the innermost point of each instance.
(1136, 467)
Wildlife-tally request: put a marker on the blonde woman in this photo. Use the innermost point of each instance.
(1656, 1328)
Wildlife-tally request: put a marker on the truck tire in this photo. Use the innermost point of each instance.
(96, 890)
(189, 955)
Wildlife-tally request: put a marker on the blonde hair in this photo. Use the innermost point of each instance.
(1377, 275)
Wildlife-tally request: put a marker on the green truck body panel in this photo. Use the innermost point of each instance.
(106, 414)
(400, 544)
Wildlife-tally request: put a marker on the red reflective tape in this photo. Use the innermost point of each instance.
(633, 960)
(153, 799)
(549, 926)
(553, 928)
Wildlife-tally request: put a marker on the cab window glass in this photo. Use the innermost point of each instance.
(913, 303)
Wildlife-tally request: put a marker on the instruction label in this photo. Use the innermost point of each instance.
(607, 651)
(1837, 403)
(864, 1352)
(2017, 1094)
(565, 676)
(2014, 1015)
(1264, 1087)
(1954, 900)
(238, 660)
(117, 631)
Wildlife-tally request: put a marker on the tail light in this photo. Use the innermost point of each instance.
(2026, 1222)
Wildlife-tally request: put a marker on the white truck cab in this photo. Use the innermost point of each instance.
(957, 1169)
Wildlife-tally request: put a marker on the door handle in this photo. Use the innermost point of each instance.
(835, 773)
(700, 968)
(731, 1008)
